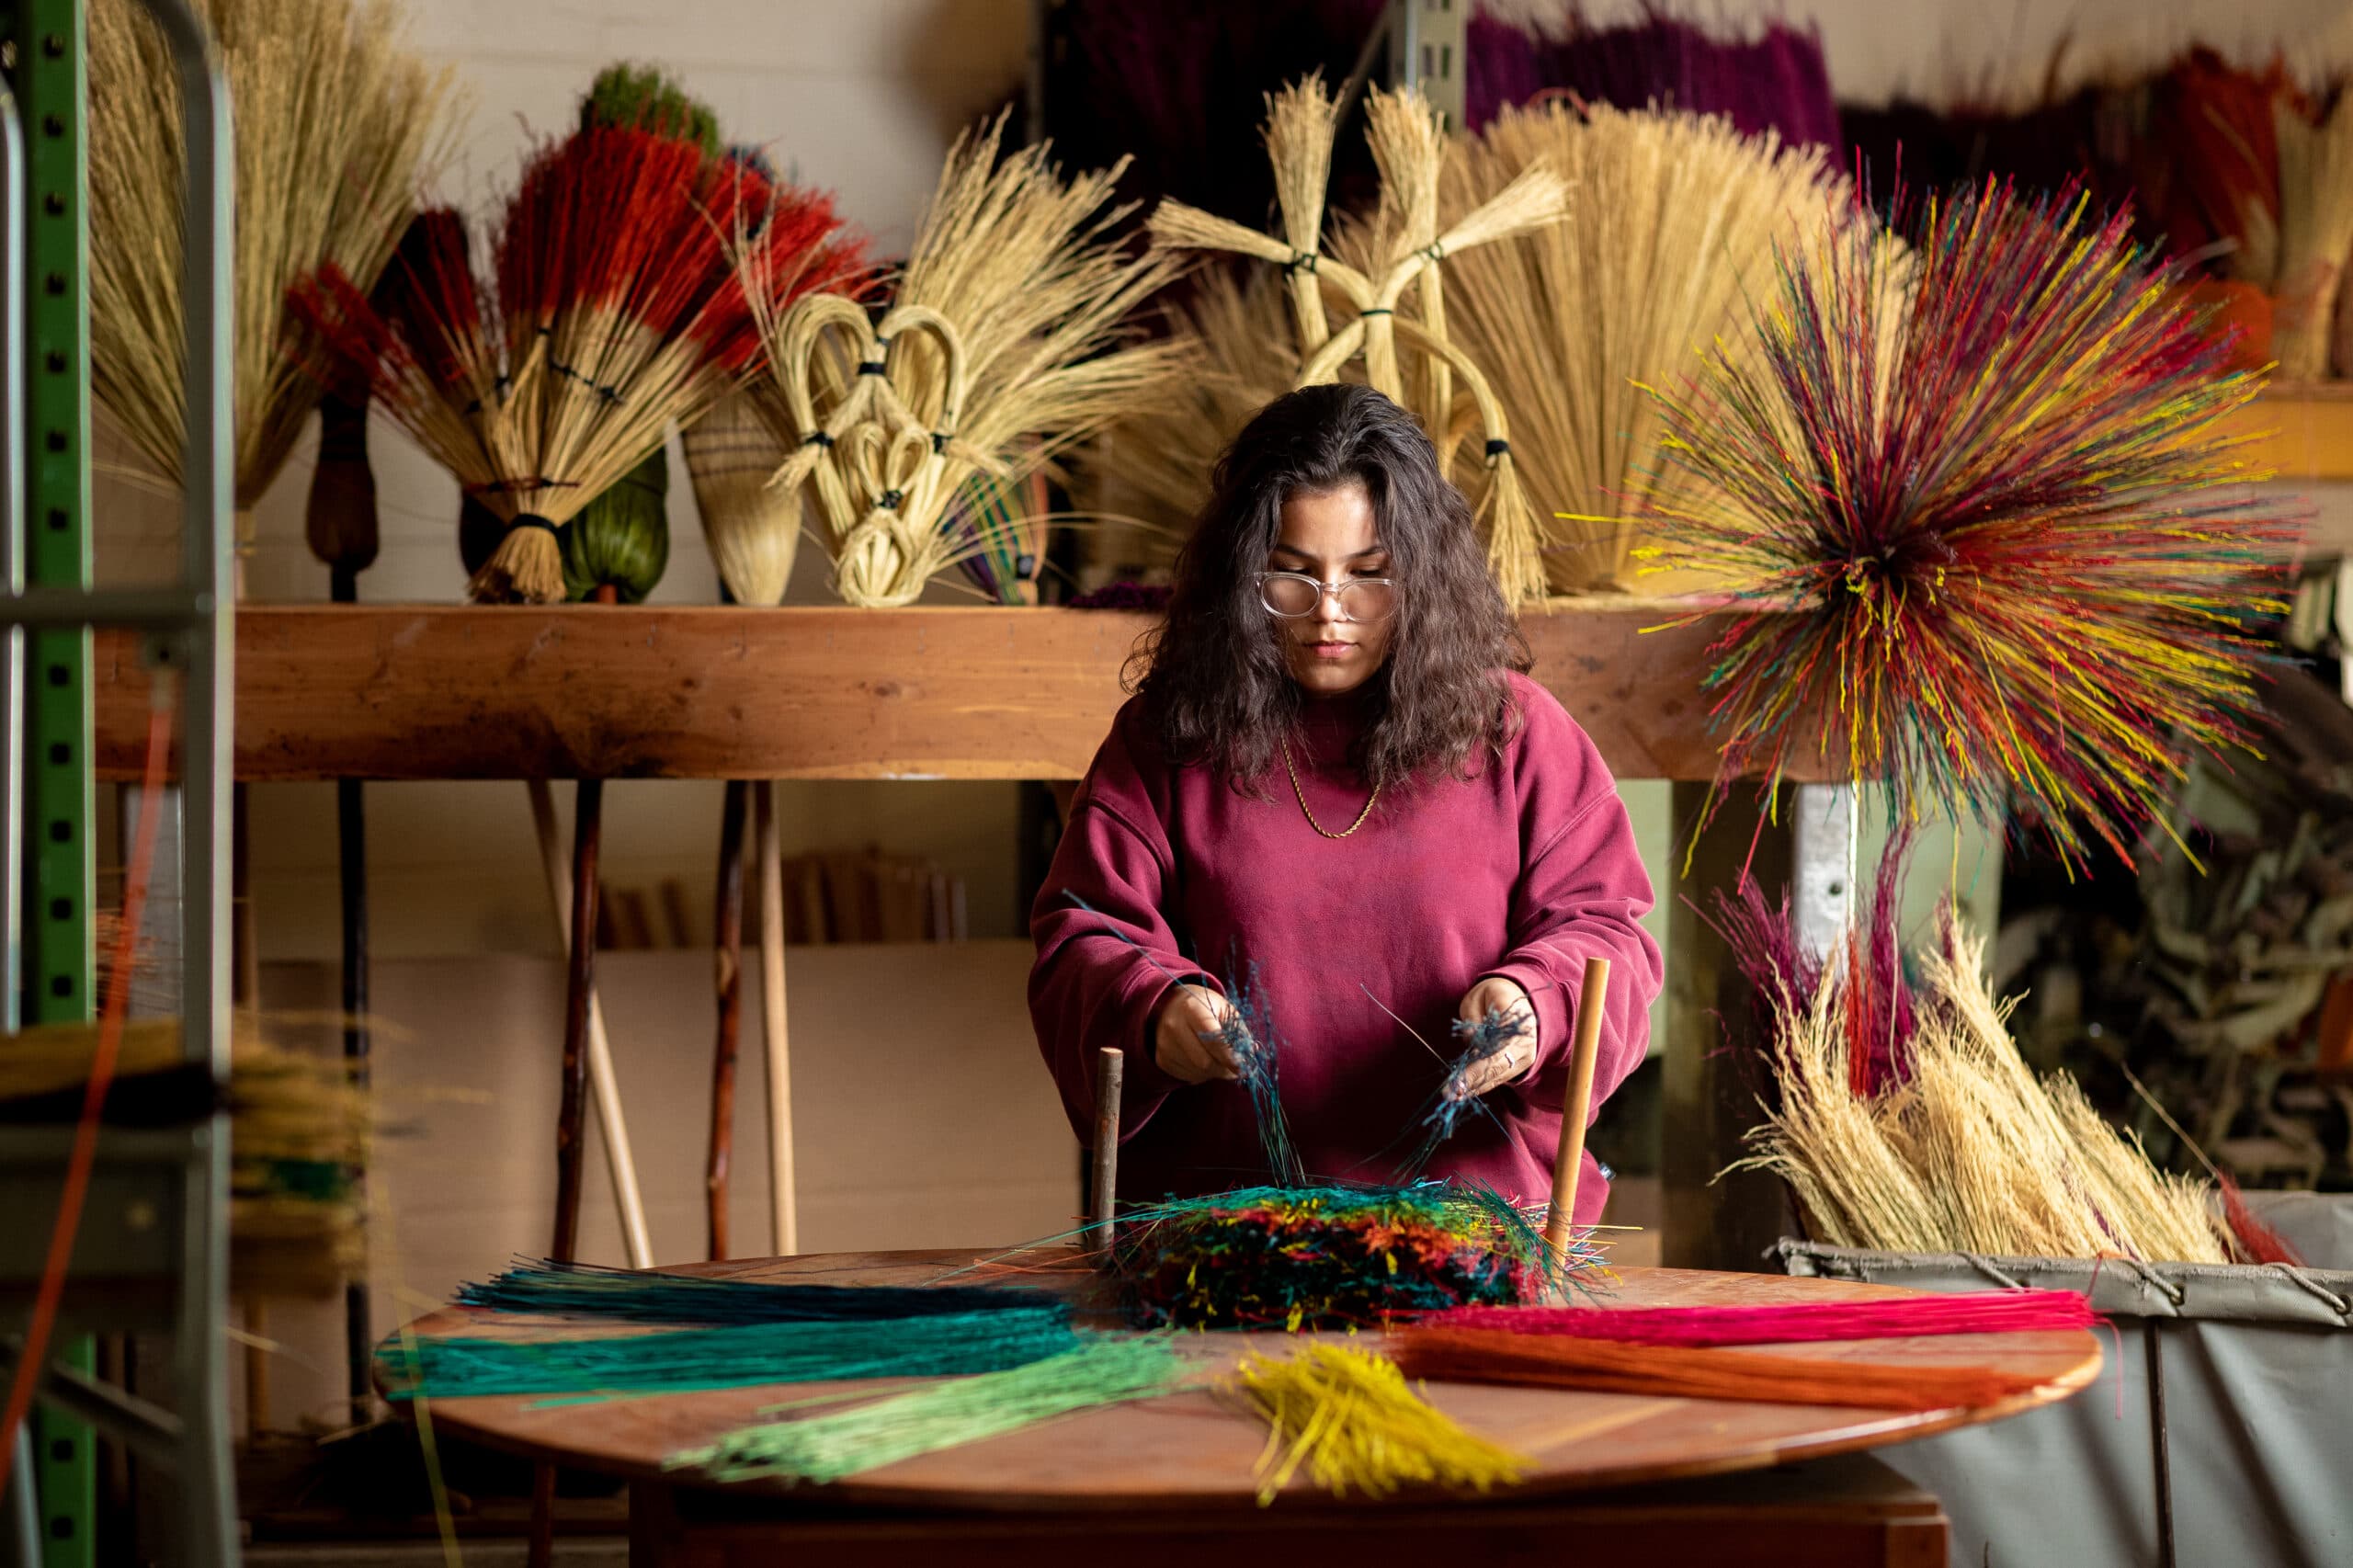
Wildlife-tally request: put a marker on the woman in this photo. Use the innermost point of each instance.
(1336, 773)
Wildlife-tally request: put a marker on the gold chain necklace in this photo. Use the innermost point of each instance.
(1307, 811)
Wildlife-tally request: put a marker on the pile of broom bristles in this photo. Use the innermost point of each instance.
(1962, 1148)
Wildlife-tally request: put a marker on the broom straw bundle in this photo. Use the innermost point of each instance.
(1970, 1152)
(2315, 230)
(1408, 147)
(753, 527)
(336, 123)
(1674, 221)
(611, 309)
(1152, 471)
(1000, 349)
(300, 1125)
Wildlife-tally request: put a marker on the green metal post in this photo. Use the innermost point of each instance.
(49, 80)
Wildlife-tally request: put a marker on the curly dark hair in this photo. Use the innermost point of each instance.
(1214, 676)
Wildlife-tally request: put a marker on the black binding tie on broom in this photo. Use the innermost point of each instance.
(890, 499)
(533, 520)
(875, 366)
(1300, 261)
(817, 438)
(1496, 450)
(610, 394)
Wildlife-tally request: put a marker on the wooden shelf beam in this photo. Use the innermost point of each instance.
(2306, 431)
(439, 691)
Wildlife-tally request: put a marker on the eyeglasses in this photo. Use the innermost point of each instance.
(1289, 596)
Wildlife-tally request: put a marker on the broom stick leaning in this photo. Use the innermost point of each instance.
(727, 941)
(579, 990)
(603, 1088)
(1560, 1218)
(784, 1197)
(1110, 1067)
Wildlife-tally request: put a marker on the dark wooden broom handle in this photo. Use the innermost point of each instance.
(728, 940)
(580, 979)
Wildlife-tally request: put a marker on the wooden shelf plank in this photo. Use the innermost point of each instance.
(2307, 429)
(438, 691)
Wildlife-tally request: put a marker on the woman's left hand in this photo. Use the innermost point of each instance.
(1497, 994)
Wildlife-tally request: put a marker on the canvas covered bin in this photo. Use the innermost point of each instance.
(2222, 1436)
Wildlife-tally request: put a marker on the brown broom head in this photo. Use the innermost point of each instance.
(339, 516)
(752, 526)
(613, 308)
(480, 531)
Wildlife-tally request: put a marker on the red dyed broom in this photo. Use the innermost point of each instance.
(1486, 1356)
(613, 308)
(1892, 1317)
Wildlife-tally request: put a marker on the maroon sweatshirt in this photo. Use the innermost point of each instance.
(1524, 870)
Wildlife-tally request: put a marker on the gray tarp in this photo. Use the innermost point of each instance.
(2244, 1456)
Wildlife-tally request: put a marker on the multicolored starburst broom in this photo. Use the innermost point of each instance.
(1980, 523)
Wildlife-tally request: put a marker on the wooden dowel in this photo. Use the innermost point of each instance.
(245, 946)
(540, 1550)
(580, 979)
(351, 848)
(1111, 1065)
(1560, 1221)
(621, 1163)
(257, 1402)
(785, 1201)
(727, 944)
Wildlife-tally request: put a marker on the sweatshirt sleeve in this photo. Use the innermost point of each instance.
(1102, 970)
(1582, 893)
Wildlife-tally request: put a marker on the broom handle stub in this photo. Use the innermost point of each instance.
(1110, 1066)
(1560, 1221)
(785, 1203)
(636, 1242)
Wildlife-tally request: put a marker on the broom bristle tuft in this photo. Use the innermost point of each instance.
(336, 125)
(616, 304)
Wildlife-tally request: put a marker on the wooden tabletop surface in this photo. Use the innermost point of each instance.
(1196, 1449)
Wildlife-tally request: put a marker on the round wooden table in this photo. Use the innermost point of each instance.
(1194, 1457)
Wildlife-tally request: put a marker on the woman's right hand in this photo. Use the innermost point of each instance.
(1186, 1014)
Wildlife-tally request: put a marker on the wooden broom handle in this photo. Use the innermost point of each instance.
(727, 926)
(1110, 1066)
(1560, 1221)
(603, 1084)
(580, 985)
(784, 1236)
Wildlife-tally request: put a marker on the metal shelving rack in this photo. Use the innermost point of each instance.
(152, 1254)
